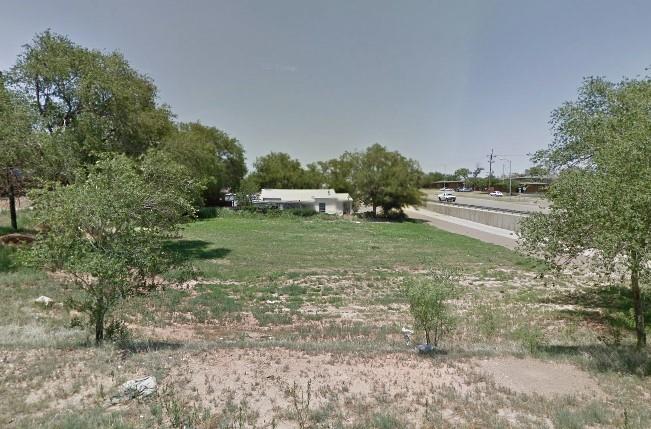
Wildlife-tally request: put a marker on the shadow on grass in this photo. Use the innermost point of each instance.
(609, 305)
(605, 358)
(197, 249)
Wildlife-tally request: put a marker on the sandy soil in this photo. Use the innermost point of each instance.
(531, 376)
(264, 378)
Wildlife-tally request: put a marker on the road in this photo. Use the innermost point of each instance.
(518, 202)
(488, 234)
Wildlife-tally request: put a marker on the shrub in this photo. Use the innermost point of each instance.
(531, 337)
(428, 302)
(208, 212)
(301, 211)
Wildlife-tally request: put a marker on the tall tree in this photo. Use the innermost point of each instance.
(462, 173)
(387, 179)
(338, 172)
(210, 154)
(108, 230)
(88, 101)
(17, 146)
(278, 170)
(601, 201)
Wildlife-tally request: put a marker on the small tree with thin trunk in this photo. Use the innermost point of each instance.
(17, 146)
(428, 302)
(107, 231)
(601, 202)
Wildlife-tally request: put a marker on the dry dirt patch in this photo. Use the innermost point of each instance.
(531, 376)
(264, 377)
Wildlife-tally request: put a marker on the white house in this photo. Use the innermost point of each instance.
(322, 200)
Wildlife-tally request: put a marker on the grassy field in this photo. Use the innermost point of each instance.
(296, 322)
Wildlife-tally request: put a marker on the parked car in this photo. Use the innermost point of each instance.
(464, 190)
(496, 194)
(447, 196)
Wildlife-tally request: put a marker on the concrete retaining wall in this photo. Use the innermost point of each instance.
(487, 217)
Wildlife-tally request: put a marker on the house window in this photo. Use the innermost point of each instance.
(322, 207)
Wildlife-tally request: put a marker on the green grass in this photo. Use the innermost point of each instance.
(259, 274)
(240, 248)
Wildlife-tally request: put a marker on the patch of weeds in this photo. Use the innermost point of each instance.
(593, 414)
(214, 299)
(95, 418)
(266, 318)
(490, 320)
(530, 336)
(301, 398)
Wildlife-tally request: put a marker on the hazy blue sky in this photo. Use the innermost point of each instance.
(441, 81)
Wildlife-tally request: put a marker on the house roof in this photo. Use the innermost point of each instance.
(302, 194)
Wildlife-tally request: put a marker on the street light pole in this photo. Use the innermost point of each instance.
(504, 159)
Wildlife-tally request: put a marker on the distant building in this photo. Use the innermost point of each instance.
(531, 185)
(321, 200)
(453, 184)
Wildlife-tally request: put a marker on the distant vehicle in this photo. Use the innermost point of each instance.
(447, 196)
(496, 194)
(446, 190)
(464, 189)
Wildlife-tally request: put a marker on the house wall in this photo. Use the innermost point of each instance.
(332, 206)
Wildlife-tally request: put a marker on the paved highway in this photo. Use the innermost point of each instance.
(521, 203)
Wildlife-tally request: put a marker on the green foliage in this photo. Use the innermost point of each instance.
(88, 102)
(386, 179)
(212, 155)
(462, 173)
(208, 212)
(428, 302)
(601, 201)
(108, 230)
(279, 171)
(530, 336)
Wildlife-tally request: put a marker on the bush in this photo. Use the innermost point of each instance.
(428, 304)
(301, 211)
(208, 212)
(531, 337)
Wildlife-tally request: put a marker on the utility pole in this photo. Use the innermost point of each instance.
(490, 169)
(505, 159)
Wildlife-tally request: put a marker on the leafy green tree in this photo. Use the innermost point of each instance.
(429, 180)
(537, 171)
(18, 146)
(462, 173)
(428, 303)
(211, 155)
(313, 176)
(108, 230)
(278, 170)
(338, 172)
(88, 101)
(386, 179)
(475, 175)
(601, 201)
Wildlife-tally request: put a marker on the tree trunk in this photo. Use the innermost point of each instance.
(99, 313)
(427, 340)
(374, 210)
(638, 303)
(12, 206)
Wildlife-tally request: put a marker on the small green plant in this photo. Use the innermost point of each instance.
(117, 331)
(428, 302)
(531, 337)
(490, 320)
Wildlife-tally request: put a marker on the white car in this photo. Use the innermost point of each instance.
(447, 196)
(496, 194)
